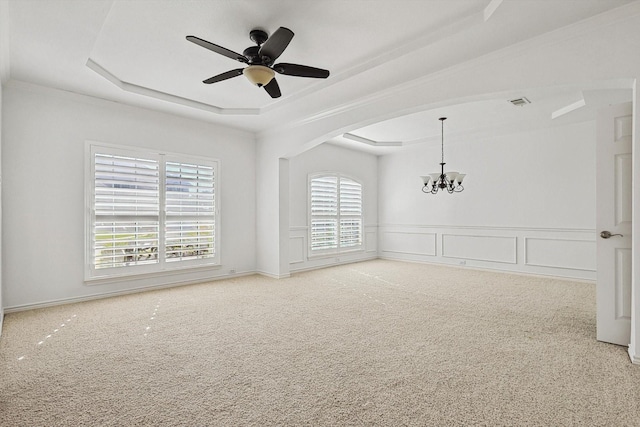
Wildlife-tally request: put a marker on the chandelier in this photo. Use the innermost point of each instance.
(450, 181)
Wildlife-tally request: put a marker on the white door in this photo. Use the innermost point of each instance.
(613, 217)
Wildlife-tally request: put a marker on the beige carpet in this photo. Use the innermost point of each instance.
(377, 343)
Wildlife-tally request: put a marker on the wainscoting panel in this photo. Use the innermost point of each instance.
(299, 259)
(480, 248)
(409, 243)
(560, 253)
(371, 240)
(296, 249)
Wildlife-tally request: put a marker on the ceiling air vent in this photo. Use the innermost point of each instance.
(519, 102)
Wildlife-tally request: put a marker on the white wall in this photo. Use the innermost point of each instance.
(528, 203)
(43, 161)
(1, 281)
(330, 158)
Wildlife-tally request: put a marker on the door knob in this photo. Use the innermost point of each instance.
(606, 234)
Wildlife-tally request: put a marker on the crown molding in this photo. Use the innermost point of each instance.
(491, 8)
(152, 93)
(568, 108)
(372, 142)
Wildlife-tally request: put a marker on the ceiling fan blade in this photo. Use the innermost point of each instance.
(217, 49)
(223, 76)
(272, 88)
(276, 44)
(301, 71)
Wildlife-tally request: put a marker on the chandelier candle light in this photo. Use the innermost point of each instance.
(450, 181)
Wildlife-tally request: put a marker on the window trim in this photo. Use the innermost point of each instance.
(93, 276)
(328, 253)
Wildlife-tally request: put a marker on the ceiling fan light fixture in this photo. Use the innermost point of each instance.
(260, 70)
(258, 75)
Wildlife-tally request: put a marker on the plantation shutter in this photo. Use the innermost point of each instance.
(126, 208)
(324, 213)
(190, 211)
(336, 213)
(149, 212)
(350, 213)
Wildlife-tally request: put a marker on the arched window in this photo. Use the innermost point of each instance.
(335, 213)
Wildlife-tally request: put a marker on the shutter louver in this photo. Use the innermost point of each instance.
(124, 243)
(126, 206)
(324, 210)
(324, 196)
(336, 213)
(190, 209)
(324, 234)
(126, 186)
(350, 213)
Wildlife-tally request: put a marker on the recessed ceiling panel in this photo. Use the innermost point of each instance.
(371, 47)
(143, 43)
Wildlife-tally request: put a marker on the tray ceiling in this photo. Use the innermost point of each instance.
(135, 52)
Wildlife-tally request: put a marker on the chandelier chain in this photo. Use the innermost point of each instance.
(442, 140)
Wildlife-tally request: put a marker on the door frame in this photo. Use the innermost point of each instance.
(634, 345)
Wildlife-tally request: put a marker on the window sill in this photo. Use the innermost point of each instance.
(117, 278)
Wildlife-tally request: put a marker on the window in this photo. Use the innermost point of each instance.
(149, 212)
(335, 214)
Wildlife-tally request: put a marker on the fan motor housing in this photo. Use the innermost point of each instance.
(253, 55)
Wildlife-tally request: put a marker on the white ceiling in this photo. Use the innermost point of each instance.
(486, 118)
(135, 52)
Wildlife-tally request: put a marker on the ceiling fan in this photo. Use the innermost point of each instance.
(260, 60)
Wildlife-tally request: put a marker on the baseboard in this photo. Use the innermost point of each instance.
(494, 270)
(51, 303)
(62, 301)
(272, 275)
(334, 264)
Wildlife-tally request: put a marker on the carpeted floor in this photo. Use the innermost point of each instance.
(376, 343)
